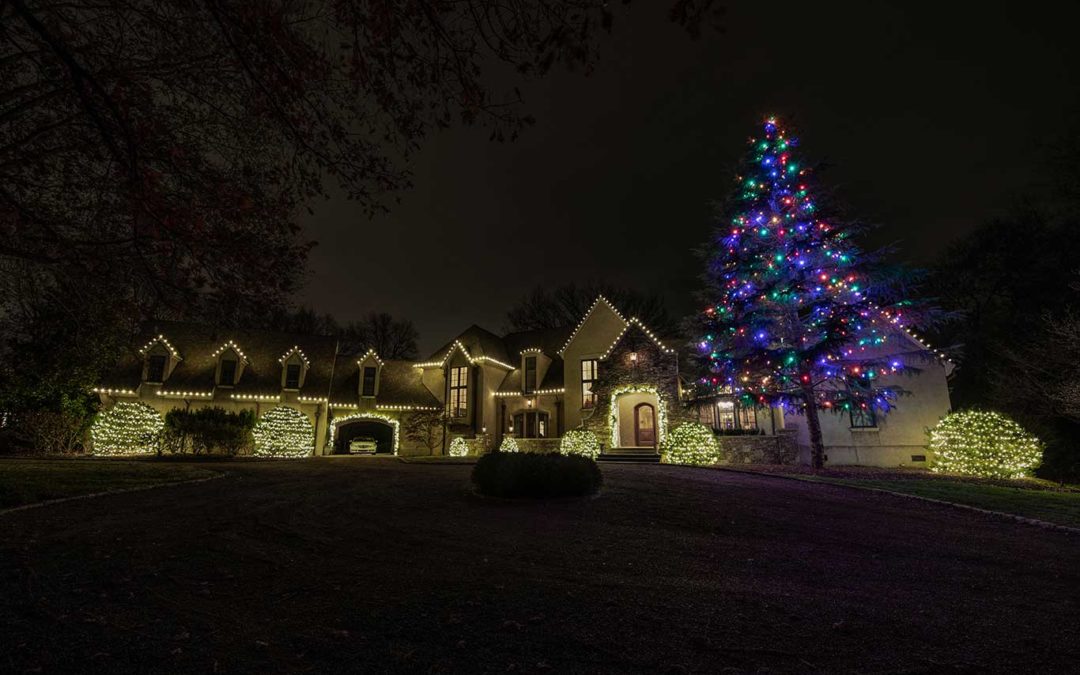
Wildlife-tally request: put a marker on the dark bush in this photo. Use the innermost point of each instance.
(208, 430)
(506, 474)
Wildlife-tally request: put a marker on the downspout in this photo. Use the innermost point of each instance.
(329, 388)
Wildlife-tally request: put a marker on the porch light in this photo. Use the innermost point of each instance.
(633, 356)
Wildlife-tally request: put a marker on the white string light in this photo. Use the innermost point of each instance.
(599, 299)
(162, 340)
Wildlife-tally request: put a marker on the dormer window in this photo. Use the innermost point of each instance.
(367, 387)
(530, 374)
(227, 374)
(292, 376)
(294, 367)
(155, 368)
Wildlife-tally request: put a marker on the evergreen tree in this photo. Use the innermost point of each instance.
(795, 314)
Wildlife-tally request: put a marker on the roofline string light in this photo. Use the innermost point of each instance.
(585, 318)
(472, 361)
(186, 394)
(114, 392)
(371, 352)
(295, 350)
(537, 392)
(161, 338)
(634, 321)
(229, 344)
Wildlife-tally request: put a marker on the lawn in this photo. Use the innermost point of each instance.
(25, 481)
(1030, 498)
(377, 565)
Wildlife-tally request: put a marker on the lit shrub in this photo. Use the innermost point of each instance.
(509, 444)
(580, 442)
(690, 443)
(126, 429)
(458, 447)
(284, 432)
(985, 444)
(536, 475)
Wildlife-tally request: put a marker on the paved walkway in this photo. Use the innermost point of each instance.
(379, 565)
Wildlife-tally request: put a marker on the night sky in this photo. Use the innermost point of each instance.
(932, 120)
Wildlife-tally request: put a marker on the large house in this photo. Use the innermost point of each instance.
(609, 374)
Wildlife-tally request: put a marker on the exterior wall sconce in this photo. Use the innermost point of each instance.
(633, 357)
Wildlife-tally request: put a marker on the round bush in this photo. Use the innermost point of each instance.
(458, 447)
(509, 444)
(690, 443)
(127, 429)
(580, 442)
(284, 432)
(985, 444)
(535, 475)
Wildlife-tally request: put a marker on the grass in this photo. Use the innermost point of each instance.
(26, 481)
(1060, 507)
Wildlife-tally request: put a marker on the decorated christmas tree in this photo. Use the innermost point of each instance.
(796, 314)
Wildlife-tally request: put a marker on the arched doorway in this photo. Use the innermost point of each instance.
(364, 437)
(644, 425)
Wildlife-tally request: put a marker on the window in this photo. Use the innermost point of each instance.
(155, 368)
(727, 415)
(531, 424)
(292, 376)
(368, 388)
(588, 381)
(863, 418)
(459, 390)
(228, 372)
(530, 374)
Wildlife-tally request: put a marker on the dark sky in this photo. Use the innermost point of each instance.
(932, 118)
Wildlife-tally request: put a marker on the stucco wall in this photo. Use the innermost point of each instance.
(591, 340)
(626, 404)
(900, 435)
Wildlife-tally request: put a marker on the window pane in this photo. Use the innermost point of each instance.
(863, 418)
(588, 380)
(369, 381)
(155, 371)
(228, 371)
(292, 376)
(530, 374)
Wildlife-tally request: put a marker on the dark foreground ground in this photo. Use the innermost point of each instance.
(378, 565)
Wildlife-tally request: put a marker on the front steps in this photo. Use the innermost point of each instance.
(630, 455)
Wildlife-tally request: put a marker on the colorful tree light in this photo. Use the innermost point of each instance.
(797, 315)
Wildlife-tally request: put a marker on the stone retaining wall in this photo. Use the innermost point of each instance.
(778, 449)
(538, 444)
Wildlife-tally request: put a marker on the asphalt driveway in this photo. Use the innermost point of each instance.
(377, 565)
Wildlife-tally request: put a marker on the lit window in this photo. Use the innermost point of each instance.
(863, 418)
(530, 374)
(292, 376)
(155, 368)
(369, 381)
(228, 372)
(532, 424)
(459, 391)
(727, 415)
(588, 383)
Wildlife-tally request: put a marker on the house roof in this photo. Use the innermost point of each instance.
(478, 342)
(197, 346)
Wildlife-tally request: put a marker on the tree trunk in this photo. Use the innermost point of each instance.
(813, 425)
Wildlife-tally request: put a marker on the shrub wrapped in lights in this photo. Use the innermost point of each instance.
(284, 432)
(458, 447)
(127, 429)
(580, 442)
(690, 443)
(985, 444)
(509, 444)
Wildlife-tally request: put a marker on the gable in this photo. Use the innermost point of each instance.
(597, 330)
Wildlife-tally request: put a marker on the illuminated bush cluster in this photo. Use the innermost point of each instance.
(127, 429)
(509, 444)
(985, 444)
(580, 442)
(284, 432)
(458, 447)
(690, 443)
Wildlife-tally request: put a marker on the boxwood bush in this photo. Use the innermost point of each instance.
(503, 474)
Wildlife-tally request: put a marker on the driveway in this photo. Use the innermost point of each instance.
(378, 565)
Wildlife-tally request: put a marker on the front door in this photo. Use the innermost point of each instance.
(644, 425)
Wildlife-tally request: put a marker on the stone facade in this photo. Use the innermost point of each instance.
(781, 448)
